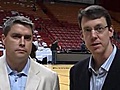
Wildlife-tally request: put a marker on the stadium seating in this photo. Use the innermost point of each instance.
(66, 30)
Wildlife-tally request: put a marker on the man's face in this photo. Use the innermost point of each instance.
(96, 34)
(18, 42)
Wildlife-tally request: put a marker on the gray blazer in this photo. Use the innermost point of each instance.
(39, 77)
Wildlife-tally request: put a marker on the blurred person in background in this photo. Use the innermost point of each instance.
(54, 48)
(33, 52)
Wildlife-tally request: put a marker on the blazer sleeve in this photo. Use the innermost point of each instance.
(71, 79)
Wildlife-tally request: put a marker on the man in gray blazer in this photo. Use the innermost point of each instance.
(17, 69)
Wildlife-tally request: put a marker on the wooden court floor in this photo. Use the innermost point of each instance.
(63, 73)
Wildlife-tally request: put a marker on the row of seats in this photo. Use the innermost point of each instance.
(68, 33)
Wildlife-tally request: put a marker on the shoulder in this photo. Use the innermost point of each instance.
(48, 78)
(118, 51)
(2, 59)
(117, 55)
(42, 70)
(80, 65)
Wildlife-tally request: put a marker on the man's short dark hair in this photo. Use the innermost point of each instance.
(93, 12)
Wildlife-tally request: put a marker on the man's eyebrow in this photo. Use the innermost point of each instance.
(98, 25)
(17, 34)
(86, 27)
(94, 26)
(27, 35)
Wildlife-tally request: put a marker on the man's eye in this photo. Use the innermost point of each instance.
(99, 29)
(27, 37)
(87, 29)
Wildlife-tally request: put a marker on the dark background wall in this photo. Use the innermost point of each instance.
(113, 5)
(108, 4)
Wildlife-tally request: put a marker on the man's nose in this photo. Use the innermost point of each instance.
(93, 33)
(22, 41)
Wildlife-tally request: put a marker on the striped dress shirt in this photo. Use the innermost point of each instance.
(98, 77)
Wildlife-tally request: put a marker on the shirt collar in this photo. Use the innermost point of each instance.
(24, 71)
(106, 65)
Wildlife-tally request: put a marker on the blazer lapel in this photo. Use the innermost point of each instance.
(113, 78)
(4, 81)
(33, 80)
(85, 80)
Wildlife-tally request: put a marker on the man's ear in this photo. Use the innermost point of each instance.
(3, 39)
(111, 31)
(81, 35)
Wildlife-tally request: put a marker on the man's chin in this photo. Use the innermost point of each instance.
(21, 55)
